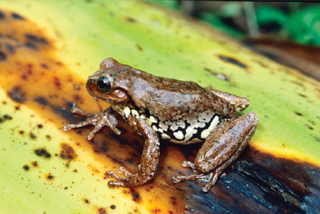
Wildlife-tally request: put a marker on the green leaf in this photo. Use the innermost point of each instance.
(216, 21)
(303, 25)
(268, 15)
(230, 9)
(166, 3)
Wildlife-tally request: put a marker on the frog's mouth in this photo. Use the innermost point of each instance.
(113, 95)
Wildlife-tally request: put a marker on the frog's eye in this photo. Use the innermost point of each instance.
(104, 84)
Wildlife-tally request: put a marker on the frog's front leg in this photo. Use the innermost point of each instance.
(99, 120)
(220, 149)
(149, 158)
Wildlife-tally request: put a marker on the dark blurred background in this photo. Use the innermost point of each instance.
(287, 32)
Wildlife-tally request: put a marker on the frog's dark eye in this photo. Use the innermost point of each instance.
(104, 84)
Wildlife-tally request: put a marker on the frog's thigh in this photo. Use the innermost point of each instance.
(226, 143)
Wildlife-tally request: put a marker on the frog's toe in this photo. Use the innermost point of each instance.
(179, 178)
(66, 128)
(188, 164)
(112, 184)
(112, 174)
(117, 131)
(175, 179)
(123, 171)
(207, 187)
(76, 110)
(209, 179)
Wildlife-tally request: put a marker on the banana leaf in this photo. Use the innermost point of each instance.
(49, 48)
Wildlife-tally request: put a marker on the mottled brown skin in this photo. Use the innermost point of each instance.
(177, 111)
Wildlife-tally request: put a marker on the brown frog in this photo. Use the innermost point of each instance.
(177, 111)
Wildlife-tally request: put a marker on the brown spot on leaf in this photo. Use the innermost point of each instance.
(32, 136)
(78, 98)
(102, 211)
(135, 195)
(10, 48)
(35, 163)
(31, 46)
(2, 15)
(113, 207)
(233, 61)
(16, 16)
(17, 95)
(41, 101)
(45, 66)
(57, 83)
(302, 95)
(310, 127)
(130, 19)
(67, 152)
(26, 167)
(42, 153)
(139, 47)
(50, 177)
(3, 56)
(298, 113)
(36, 39)
(7, 117)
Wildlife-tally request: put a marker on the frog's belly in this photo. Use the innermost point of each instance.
(185, 131)
(194, 129)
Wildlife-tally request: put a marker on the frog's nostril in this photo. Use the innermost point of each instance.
(89, 82)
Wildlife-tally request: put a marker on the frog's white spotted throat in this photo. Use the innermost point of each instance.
(182, 131)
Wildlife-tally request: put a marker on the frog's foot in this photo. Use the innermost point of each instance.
(209, 179)
(129, 181)
(121, 171)
(99, 120)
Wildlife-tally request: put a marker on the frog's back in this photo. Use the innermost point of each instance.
(164, 96)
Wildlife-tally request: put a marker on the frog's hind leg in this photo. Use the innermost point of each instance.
(221, 148)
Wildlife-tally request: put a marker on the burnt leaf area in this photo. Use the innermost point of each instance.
(269, 184)
(39, 80)
(11, 40)
(250, 185)
(255, 183)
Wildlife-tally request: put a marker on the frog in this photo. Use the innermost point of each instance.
(180, 112)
